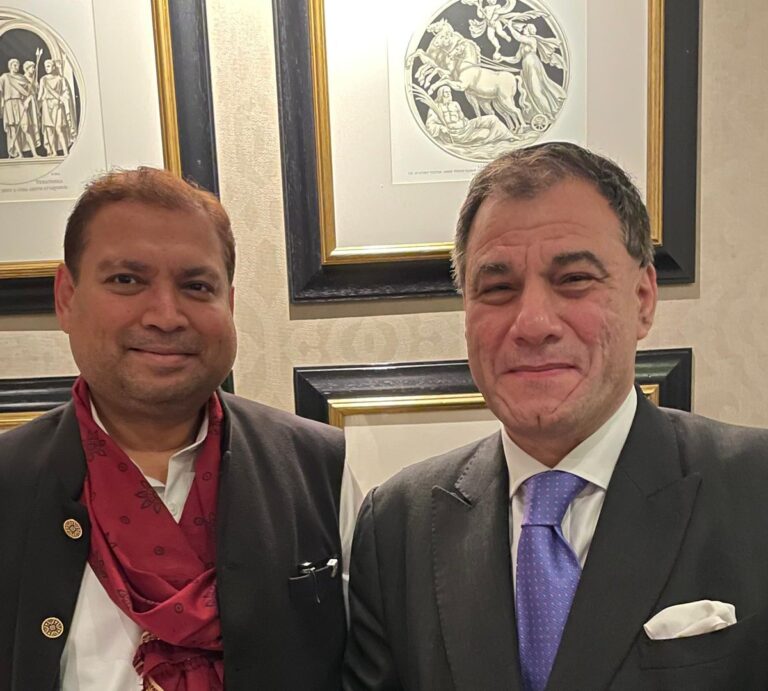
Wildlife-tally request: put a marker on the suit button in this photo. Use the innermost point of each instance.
(52, 627)
(73, 529)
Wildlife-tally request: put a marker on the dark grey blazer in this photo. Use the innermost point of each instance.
(278, 507)
(685, 518)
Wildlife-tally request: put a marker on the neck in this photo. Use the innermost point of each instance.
(552, 443)
(150, 441)
(544, 450)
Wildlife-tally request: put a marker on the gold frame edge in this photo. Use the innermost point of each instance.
(166, 86)
(322, 114)
(655, 120)
(11, 420)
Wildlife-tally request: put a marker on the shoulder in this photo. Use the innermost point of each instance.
(412, 486)
(261, 421)
(706, 443)
(34, 432)
(22, 447)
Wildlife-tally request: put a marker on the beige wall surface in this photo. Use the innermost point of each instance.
(723, 317)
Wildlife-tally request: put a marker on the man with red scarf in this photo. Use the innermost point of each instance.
(160, 533)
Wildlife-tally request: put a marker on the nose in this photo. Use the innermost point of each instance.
(164, 310)
(537, 320)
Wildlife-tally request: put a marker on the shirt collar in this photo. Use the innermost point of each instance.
(594, 459)
(184, 458)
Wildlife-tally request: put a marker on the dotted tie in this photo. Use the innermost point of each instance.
(547, 573)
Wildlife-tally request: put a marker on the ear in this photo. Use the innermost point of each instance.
(63, 291)
(647, 297)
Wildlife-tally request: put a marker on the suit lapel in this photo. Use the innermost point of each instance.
(233, 554)
(641, 528)
(473, 572)
(53, 563)
(242, 578)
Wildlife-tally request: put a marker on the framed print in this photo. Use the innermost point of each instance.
(87, 87)
(387, 112)
(395, 414)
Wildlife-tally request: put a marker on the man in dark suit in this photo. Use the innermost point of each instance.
(162, 534)
(596, 542)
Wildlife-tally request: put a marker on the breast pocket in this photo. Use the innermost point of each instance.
(696, 650)
(317, 586)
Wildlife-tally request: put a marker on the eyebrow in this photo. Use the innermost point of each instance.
(490, 269)
(139, 267)
(199, 271)
(566, 258)
(559, 260)
(129, 264)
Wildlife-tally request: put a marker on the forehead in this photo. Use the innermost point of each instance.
(144, 231)
(570, 213)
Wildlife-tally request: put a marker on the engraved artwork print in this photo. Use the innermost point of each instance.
(481, 77)
(487, 76)
(41, 96)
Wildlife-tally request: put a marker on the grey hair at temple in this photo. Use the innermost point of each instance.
(525, 173)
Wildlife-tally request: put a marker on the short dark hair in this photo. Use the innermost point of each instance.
(152, 186)
(526, 172)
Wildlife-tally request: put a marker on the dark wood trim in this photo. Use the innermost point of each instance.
(34, 394)
(676, 257)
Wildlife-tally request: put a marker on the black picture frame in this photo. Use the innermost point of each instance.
(23, 399)
(197, 142)
(311, 280)
(668, 371)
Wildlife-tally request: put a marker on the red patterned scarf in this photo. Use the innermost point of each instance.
(159, 572)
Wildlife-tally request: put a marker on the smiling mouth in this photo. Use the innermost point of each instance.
(541, 371)
(164, 357)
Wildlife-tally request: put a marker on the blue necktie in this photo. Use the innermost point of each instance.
(547, 573)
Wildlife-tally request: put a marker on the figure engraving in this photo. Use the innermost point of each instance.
(14, 101)
(487, 76)
(41, 97)
(58, 107)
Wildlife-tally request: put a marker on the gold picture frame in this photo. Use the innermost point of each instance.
(168, 124)
(323, 269)
(332, 253)
(186, 129)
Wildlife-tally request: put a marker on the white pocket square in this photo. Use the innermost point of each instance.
(690, 619)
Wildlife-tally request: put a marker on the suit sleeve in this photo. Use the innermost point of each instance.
(368, 663)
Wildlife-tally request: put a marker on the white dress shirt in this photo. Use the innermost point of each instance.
(98, 654)
(594, 460)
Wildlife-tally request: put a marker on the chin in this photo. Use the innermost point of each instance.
(538, 412)
(539, 400)
(162, 390)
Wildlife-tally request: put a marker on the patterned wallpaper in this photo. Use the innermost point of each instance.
(723, 317)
